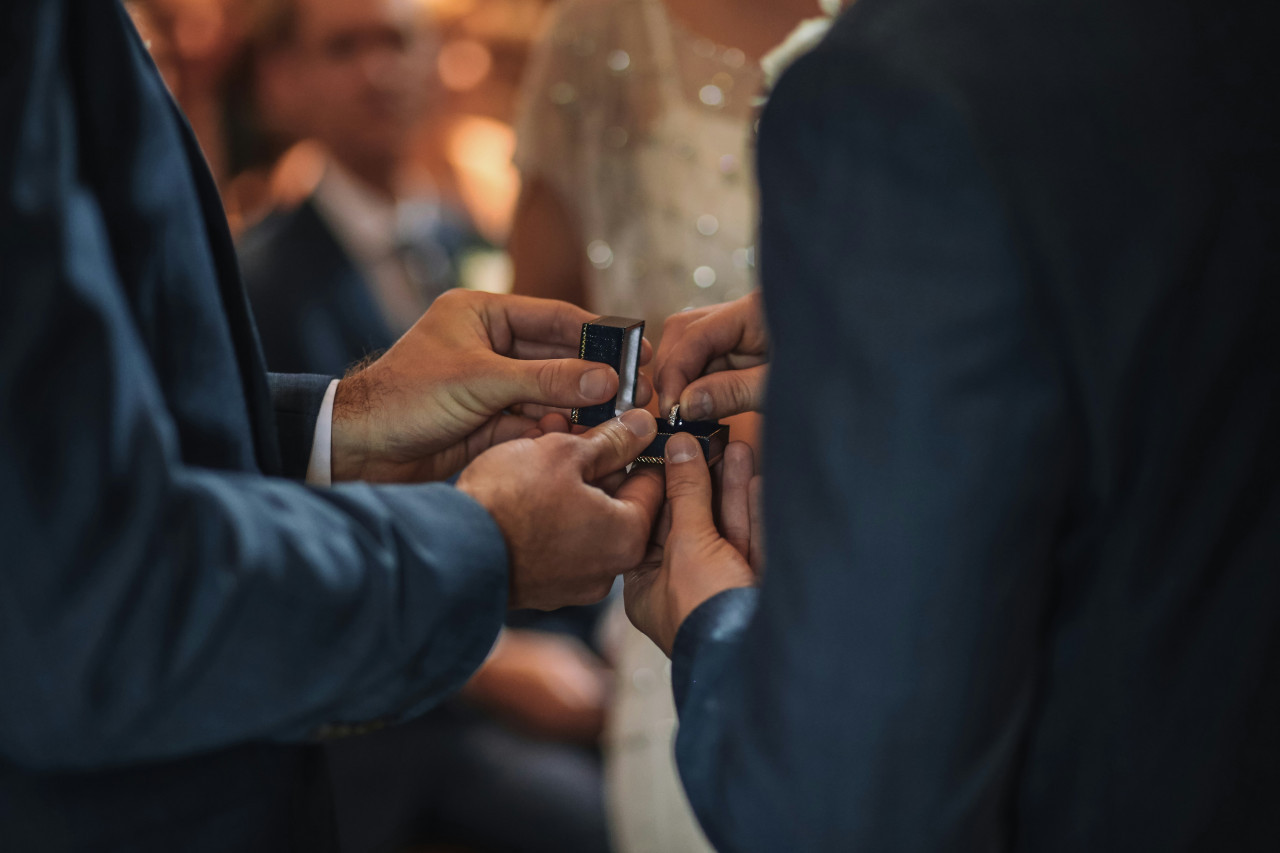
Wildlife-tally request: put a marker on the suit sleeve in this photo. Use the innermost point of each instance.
(150, 608)
(876, 695)
(297, 399)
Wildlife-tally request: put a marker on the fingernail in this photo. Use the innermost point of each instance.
(594, 384)
(681, 447)
(697, 407)
(638, 422)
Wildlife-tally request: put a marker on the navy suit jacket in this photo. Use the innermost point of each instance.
(314, 307)
(176, 615)
(1021, 262)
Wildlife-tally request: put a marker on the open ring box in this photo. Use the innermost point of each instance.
(617, 341)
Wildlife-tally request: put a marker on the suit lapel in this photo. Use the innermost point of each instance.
(252, 367)
(349, 295)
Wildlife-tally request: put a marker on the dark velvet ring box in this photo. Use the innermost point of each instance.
(617, 342)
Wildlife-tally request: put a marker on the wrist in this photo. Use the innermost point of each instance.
(481, 490)
(681, 608)
(352, 409)
(724, 570)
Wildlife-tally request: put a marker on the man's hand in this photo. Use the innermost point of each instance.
(571, 520)
(729, 344)
(695, 560)
(548, 684)
(446, 391)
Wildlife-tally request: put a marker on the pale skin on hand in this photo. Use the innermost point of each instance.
(690, 559)
(484, 382)
(714, 361)
(571, 520)
(476, 370)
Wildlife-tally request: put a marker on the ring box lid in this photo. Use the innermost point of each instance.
(617, 342)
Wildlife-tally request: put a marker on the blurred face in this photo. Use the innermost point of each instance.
(360, 74)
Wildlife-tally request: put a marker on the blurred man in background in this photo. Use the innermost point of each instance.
(339, 277)
(347, 271)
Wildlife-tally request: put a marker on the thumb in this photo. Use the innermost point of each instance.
(688, 487)
(616, 443)
(555, 382)
(728, 392)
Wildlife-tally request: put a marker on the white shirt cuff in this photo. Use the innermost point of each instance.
(320, 466)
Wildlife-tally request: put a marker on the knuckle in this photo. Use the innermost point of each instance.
(455, 297)
(582, 450)
(683, 489)
(615, 438)
(548, 375)
(742, 391)
(576, 447)
(674, 323)
(559, 442)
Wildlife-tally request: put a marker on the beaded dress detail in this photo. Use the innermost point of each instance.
(646, 132)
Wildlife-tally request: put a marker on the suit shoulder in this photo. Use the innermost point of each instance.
(266, 236)
(273, 250)
(862, 78)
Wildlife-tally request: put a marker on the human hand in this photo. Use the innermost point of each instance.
(474, 371)
(548, 684)
(713, 361)
(691, 559)
(571, 519)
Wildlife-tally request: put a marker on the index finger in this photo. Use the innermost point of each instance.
(547, 328)
(532, 320)
(635, 505)
(735, 513)
(696, 346)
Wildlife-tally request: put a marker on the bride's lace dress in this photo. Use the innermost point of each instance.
(646, 132)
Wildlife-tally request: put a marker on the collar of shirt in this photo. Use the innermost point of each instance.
(366, 222)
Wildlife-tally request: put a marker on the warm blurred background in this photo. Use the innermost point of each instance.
(366, 152)
(464, 140)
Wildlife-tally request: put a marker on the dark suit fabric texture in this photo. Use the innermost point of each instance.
(313, 306)
(1022, 485)
(441, 778)
(178, 615)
